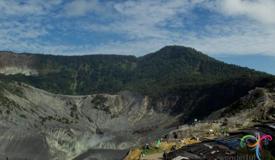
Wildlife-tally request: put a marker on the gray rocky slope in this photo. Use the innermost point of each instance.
(255, 108)
(36, 124)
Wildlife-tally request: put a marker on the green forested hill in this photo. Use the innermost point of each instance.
(171, 68)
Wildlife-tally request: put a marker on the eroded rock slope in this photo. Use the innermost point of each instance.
(51, 126)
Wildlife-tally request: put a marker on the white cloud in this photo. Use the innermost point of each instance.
(143, 22)
(19, 31)
(144, 19)
(250, 30)
(30, 7)
(242, 43)
(81, 7)
(260, 10)
(253, 40)
(144, 25)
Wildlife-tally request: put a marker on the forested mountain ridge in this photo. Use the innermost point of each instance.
(172, 67)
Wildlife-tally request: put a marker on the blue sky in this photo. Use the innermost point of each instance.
(216, 27)
(259, 62)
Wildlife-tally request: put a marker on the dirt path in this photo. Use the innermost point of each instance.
(155, 156)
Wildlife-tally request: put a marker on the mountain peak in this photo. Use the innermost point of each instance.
(174, 47)
(176, 51)
(173, 66)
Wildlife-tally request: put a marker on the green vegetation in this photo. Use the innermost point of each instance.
(170, 68)
(73, 112)
(23, 116)
(63, 120)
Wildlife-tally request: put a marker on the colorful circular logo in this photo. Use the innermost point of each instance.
(256, 143)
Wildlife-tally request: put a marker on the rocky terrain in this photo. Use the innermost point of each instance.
(218, 135)
(11, 64)
(51, 126)
(100, 106)
(254, 108)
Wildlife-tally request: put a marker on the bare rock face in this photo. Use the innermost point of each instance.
(18, 70)
(35, 123)
(12, 63)
(23, 144)
(254, 108)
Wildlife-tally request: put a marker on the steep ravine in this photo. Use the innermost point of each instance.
(50, 126)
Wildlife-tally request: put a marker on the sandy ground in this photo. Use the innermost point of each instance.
(155, 156)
